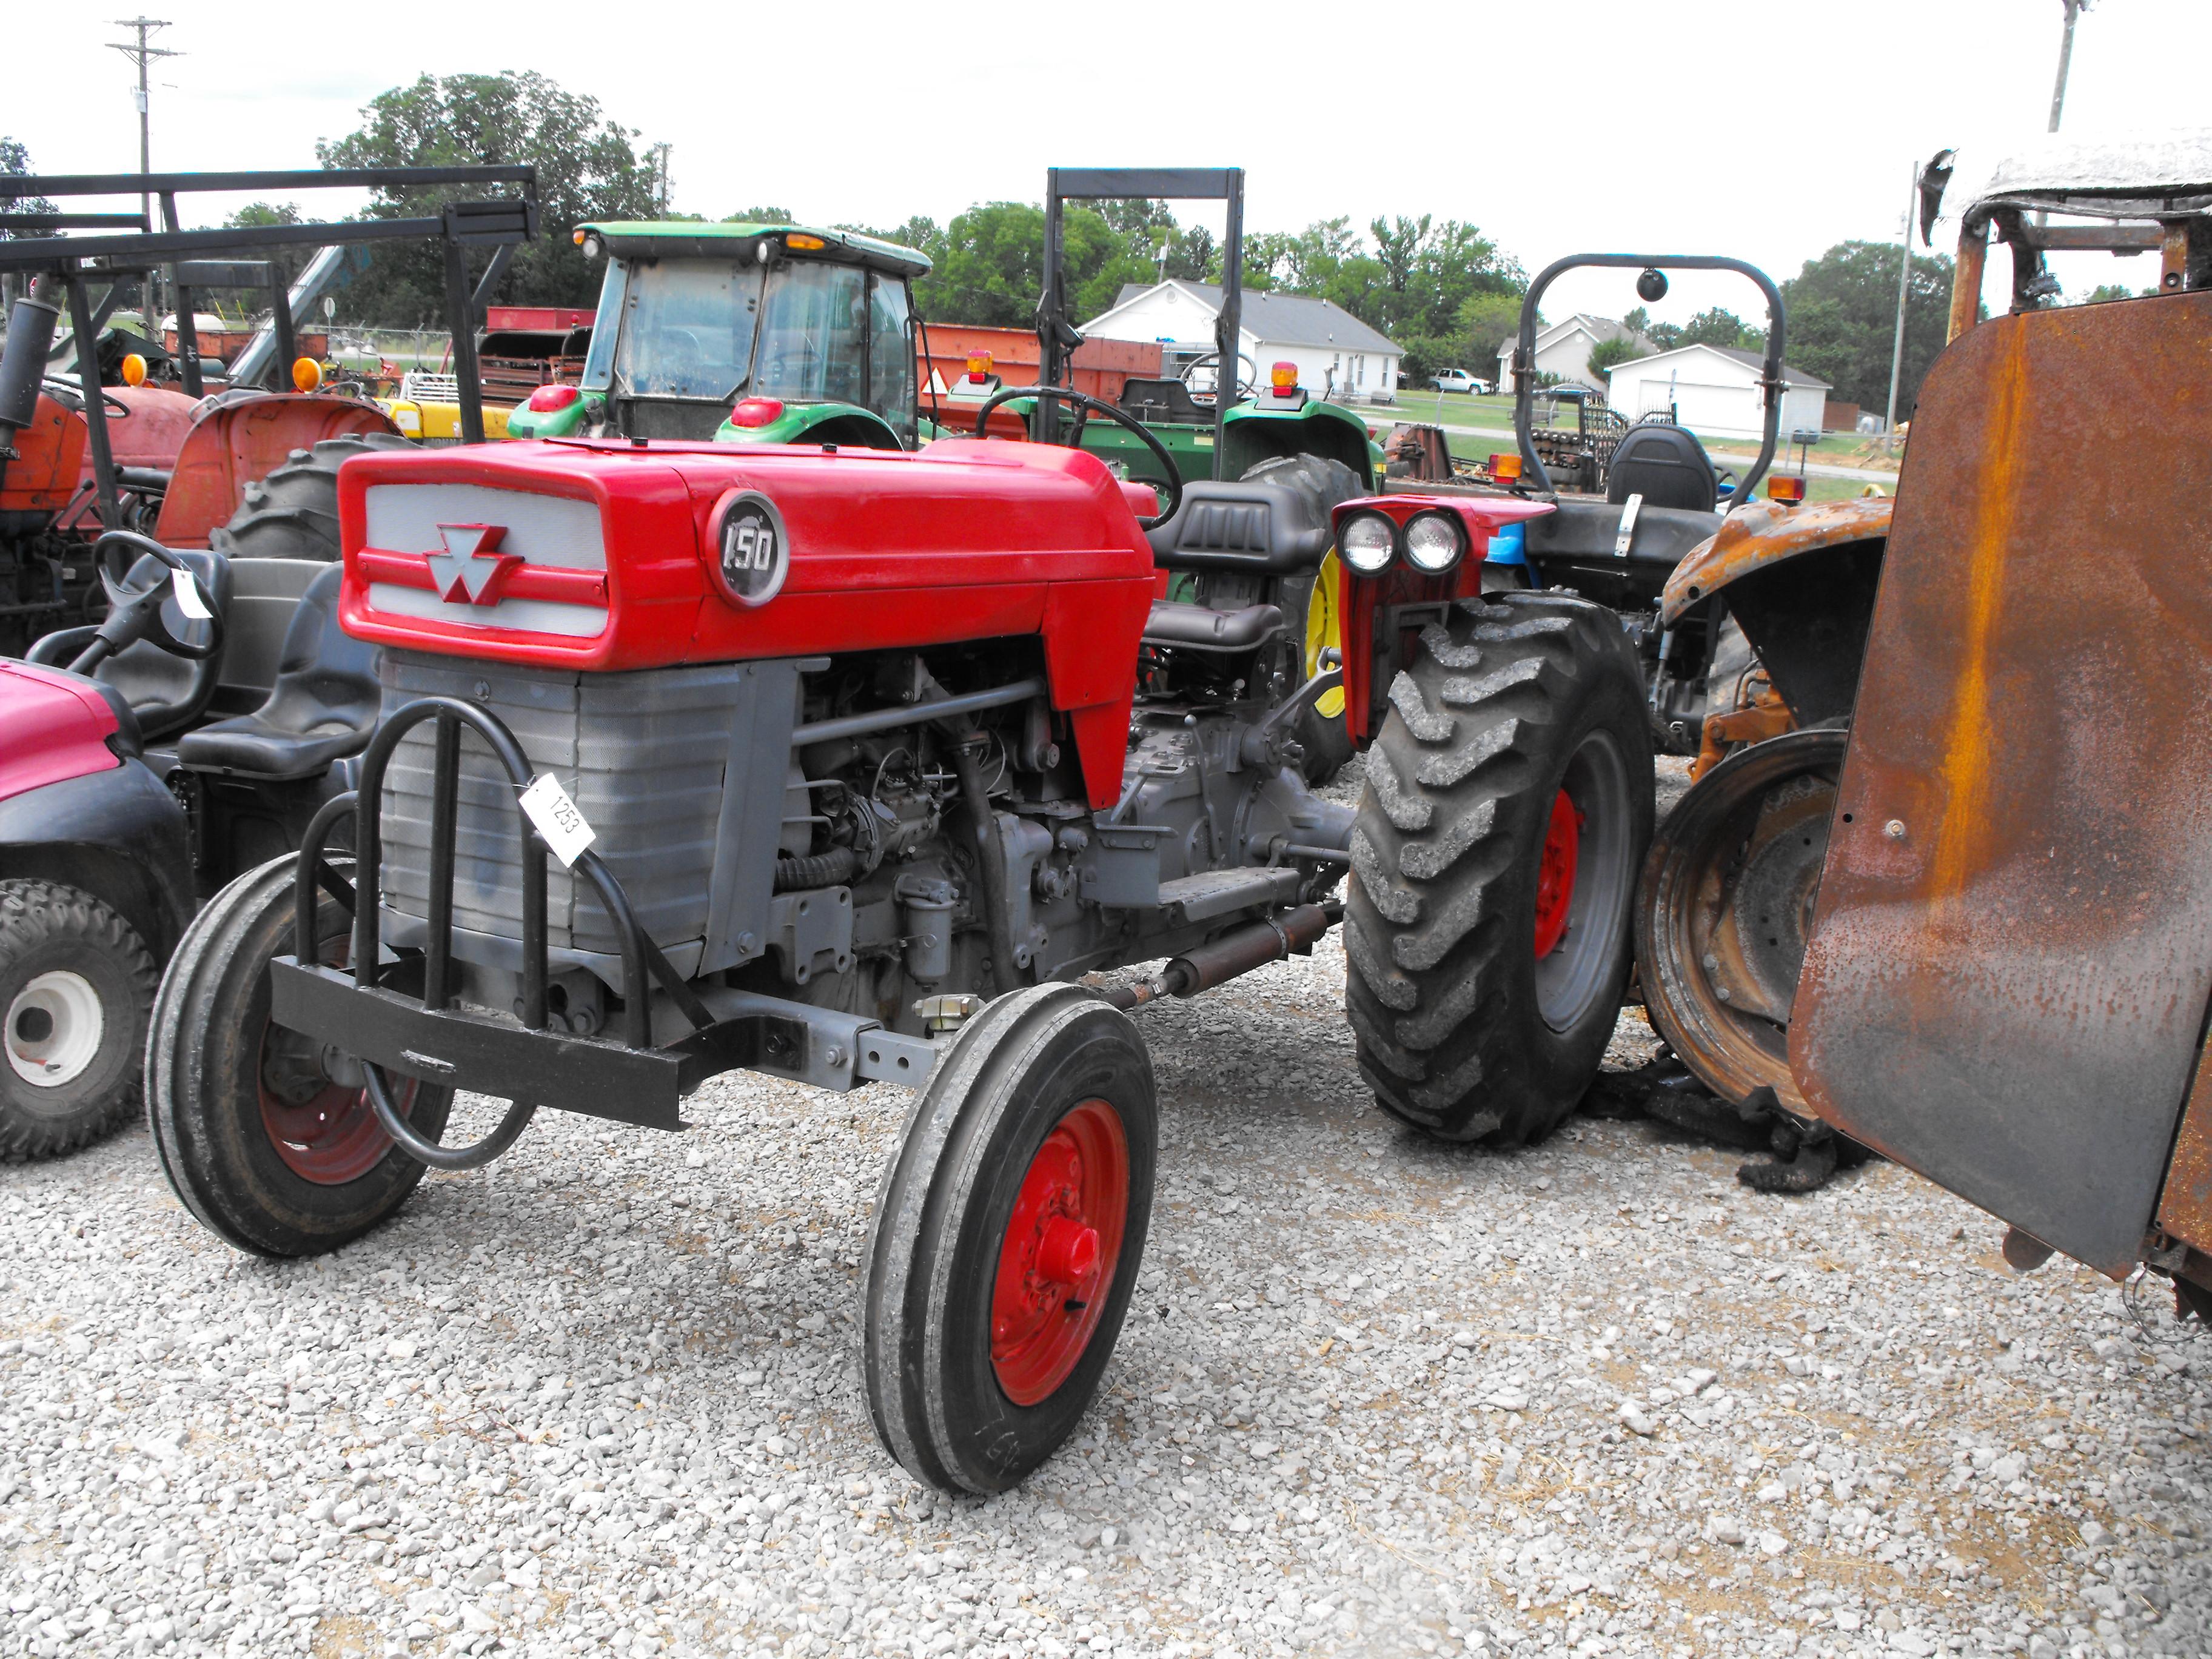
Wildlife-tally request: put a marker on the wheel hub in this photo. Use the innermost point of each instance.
(54, 1028)
(1555, 874)
(322, 1127)
(1056, 1261)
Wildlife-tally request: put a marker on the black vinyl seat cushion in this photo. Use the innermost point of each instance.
(1254, 526)
(322, 707)
(1665, 464)
(1201, 628)
(1164, 400)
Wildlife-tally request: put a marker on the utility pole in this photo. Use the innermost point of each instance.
(142, 54)
(2074, 9)
(660, 153)
(1903, 286)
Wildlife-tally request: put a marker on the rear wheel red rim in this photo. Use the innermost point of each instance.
(1555, 874)
(1057, 1260)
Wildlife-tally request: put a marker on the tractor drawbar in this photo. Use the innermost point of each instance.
(1293, 933)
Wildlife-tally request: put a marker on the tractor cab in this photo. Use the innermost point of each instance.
(747, 333)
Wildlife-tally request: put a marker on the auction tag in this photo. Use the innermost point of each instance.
(558, 818)
(188, 597)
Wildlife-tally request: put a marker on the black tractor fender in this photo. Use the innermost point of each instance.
(117, 834)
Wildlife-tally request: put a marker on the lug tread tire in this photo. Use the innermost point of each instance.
(204, 1153)
(39, 917)
(293, 512)
(1460, 779)
(932, 1185)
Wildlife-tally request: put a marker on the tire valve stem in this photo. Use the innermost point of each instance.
(1073, 1305)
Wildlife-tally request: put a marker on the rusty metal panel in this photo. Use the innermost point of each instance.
(2184, 1208)
(2007, 985)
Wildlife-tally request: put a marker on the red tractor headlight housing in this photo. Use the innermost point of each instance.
(1435, 542)
(1368, 542)
(547, 398)
(752, 412)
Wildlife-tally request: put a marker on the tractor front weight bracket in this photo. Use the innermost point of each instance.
(393, 1009)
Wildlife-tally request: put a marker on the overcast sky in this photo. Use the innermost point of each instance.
(1758, 128)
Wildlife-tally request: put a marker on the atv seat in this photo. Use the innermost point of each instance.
(1201, 628)
(1164, 400)
(1665, 464)
(166, 693)
(322, 707)
(1254, 525)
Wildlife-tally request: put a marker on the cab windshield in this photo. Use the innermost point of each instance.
(687, 328)
(805, 332)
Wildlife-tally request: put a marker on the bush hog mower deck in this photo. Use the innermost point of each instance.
(827, 748)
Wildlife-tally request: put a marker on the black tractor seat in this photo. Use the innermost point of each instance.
(1665, 464)
(322, 707)
(1254, 525)
(1201, 628)
(166, 693)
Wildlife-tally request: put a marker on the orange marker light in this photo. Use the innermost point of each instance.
(979, 366)
(307, 374)
(1284, 377)
(799, 240)
(1784, 489)
(1506, 466)
(134, 370)
(577, 237)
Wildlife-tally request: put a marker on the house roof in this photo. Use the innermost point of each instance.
(1599, 329)
(1751, 360)
(1285, 319)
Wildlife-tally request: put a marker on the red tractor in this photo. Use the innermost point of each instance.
(844, 766)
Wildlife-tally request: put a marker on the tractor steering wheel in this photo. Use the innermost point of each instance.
(1086, 402)
(135, 613)
(1243, 387)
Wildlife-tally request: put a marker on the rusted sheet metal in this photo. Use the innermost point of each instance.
(2012, 953)
(2184, 1208)
(1755, 537)
(232, 444)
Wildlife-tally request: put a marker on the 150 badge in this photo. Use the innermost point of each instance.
(752, 553)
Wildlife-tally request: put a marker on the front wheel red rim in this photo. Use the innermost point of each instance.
(1062, 1243)
(1555, 874)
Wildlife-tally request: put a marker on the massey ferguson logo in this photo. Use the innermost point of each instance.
(472, 570)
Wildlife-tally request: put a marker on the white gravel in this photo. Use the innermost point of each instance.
(1377, 1396)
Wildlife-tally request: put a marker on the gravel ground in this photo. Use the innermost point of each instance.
(1376, 1396)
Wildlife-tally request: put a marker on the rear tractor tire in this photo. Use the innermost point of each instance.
(268, 1138)
(1007, 1238)
(293, 514)
(76, 983)
(1508, 802)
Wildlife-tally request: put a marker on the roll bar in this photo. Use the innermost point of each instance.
(1524, 350)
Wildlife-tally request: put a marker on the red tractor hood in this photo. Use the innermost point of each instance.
(602, 556)
(612, 556)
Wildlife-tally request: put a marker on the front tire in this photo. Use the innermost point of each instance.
(261, 1142)
(1007, 1238)
(76, 985)
(1508, 804)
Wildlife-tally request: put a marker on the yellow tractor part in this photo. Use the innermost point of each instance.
(430, 423)
(1325, 632)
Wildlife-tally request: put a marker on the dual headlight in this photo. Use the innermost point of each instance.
(1432, 541)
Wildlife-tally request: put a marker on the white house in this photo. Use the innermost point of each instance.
(1338, 355)
(1714, 390)
(1565, 348)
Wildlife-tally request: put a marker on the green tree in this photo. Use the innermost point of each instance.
(589, 167)
(1842, 311)
(2105, 291)
(761, 216)
(1718, 327)
(1607, 355)
(1489, 322)
(290, 260)
(15, 158)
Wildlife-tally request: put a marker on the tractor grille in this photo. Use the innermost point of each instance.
(643, 755)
